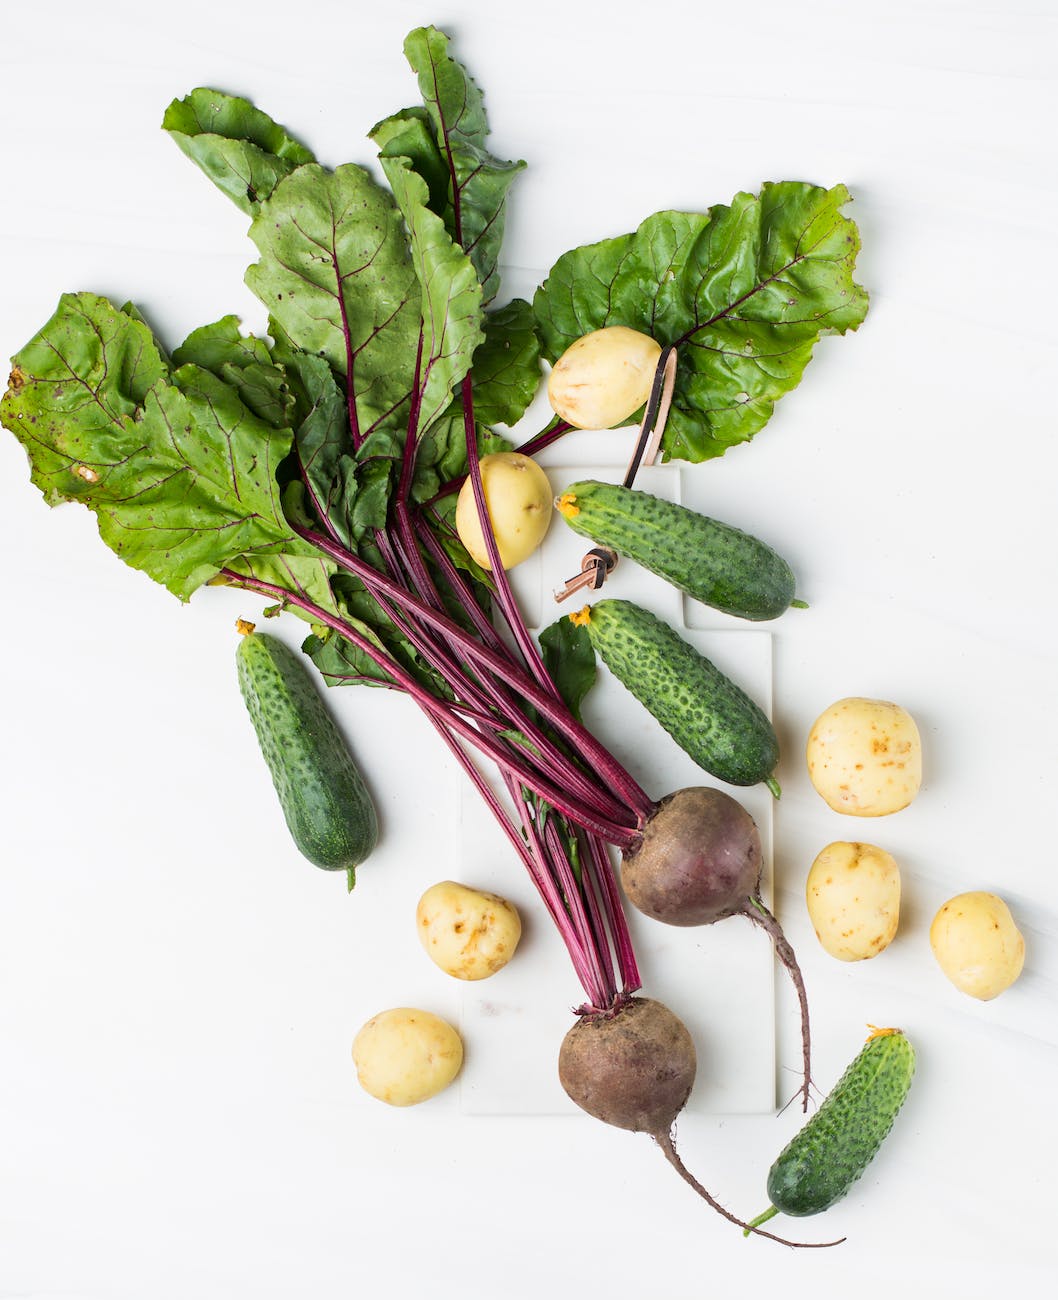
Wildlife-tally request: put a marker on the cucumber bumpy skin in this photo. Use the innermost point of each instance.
(325, 802)
(715, 563)
(841, 1139)
(708, 716)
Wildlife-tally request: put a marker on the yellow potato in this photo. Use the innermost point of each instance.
(853, 896)
(977, 945)
(405, 1056)
(469, 933)
(518, 497)
(865, 757)
(603, 378)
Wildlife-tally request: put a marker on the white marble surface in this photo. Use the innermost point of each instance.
(178, 1114)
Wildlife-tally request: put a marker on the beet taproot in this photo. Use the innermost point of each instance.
(634, 1067)
(699, 860)
(634, 1070)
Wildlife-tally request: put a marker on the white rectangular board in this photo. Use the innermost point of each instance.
(719, 979)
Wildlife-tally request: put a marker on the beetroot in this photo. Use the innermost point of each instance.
(634, 1067)
(700, 860)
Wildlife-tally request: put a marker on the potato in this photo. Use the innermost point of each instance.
(469, 933)
(865, 757)
(518, 497)
(405, 1056)
(977, 945)
(853, 896)
(604, 377)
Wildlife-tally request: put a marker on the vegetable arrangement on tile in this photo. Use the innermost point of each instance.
(318, 468)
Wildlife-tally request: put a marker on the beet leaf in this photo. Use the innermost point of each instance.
(570, 659)
(239, 148)
(745, 290)
(335, 273)
(244, 362)
(506, 368)
(180, 473)
(450, 296)
(478, 182)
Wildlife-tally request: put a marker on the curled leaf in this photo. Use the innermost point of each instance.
(238, 146)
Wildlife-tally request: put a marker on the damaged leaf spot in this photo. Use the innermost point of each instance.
(86, 473)
(16, 381)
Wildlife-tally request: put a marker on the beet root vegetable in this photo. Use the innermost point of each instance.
(634, 1068)
(700, 860)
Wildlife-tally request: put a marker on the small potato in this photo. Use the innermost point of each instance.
(469, 933)
(853, 896)
(518, 496)
(865, 757)
(405, 1056)
(977, 945)
(604, 377)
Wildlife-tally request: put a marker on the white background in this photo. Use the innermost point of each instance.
(178, 1112)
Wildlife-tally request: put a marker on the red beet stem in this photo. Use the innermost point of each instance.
(617, 921)
(496, 709)
(555, 430)
(559, 904)
(606, 768)
(451, 715)
(502, 584)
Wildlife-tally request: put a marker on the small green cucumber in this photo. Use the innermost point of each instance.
(707, 715)
(841, 1139)
(715, 563)
(323, 796)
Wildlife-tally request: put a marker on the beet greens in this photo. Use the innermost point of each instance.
(316, 468)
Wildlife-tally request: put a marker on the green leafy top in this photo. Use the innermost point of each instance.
(180, 472)
(379, 300)
(476, 193)
(377, 315)
(335, 273)
(746, 290)
(450, 298)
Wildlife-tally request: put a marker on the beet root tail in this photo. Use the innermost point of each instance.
(759, 914)
(668, 1147)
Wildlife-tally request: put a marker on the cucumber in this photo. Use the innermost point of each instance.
(841, 1139)
(325, 802)
(715, 563)
(707, 715)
